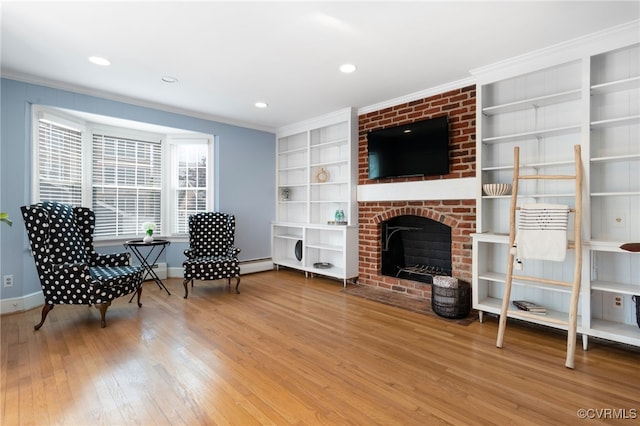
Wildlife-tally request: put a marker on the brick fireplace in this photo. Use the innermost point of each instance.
(457, 213)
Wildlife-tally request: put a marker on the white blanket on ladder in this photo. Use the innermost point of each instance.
(542, 232)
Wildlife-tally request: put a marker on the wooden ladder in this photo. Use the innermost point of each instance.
(571, 324)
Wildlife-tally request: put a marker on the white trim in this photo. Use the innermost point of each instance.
(175, 272)
(58, 118)
(314, 123)
(246, 267)
(438, 90)
(34, 300)
(170, 185)
(445, 189)
(20, 304)
(567, 51)
(256, 266)
(160, 269)
(30, 79)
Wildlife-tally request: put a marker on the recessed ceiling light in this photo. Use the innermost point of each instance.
(99, 61)
(347, 68)
(261, 104)
(169, 79)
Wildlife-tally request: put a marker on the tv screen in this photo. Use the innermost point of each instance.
(420, 148)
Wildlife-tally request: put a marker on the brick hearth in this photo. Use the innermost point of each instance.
(460, 215)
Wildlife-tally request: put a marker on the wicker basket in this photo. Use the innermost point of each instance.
(451, 302)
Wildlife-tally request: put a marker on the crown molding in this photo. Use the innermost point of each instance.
(54, 84)
(437, 90)
(567, 51)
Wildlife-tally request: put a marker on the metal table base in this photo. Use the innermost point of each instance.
(156, 248)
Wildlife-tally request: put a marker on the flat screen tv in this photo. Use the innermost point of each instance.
(420, 148)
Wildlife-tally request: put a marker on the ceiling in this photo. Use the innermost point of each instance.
(229, 55)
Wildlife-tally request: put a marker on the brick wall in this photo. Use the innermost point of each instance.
(460, 215)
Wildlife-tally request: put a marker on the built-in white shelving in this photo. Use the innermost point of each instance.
(537, 102)
(316, 176)
(592, 99)
(533, 134)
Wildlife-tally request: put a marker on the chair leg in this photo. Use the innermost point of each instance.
(139, 294)
(237, 283)
(45, 311)
(186, 286)
(103, 313)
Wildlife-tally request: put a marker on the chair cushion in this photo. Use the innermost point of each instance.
(65, 241)
(114, 281)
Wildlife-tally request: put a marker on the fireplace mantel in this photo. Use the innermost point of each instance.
(445, 189)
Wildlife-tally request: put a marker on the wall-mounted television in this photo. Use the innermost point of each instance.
(420, 148)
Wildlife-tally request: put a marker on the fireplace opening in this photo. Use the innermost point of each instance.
(415, 248)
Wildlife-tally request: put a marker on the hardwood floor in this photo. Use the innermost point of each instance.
(290, 350)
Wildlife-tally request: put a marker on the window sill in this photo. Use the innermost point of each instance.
(119, 241)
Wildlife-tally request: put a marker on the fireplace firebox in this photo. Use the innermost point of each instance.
(415, 248)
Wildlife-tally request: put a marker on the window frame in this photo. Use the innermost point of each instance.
(136, 136)
(61, 120)
(172, 144)
(170, 139)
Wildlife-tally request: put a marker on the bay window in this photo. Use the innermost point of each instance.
(191, 179)
(59, 160)
(126, 175)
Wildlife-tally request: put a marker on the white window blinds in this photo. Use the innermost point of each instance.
(59, 163)
(127, 185)
(117, 170)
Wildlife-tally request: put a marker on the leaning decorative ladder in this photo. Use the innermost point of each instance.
(576, 245)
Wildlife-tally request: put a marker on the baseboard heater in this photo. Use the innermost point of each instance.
(160, 269)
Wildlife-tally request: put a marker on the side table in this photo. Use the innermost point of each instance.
(156, 247)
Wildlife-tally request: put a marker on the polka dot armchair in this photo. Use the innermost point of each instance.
(70, 270)
(211, 254)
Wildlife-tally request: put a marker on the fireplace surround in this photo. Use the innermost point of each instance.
(436, 200)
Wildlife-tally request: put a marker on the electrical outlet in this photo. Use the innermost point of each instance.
(8, 280)
(617, 302)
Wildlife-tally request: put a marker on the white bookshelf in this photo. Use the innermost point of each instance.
(590, 97)
(317, 170)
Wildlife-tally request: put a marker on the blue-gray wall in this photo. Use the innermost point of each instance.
(244, 174)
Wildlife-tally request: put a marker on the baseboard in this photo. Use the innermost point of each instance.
(247, 267)
(160, 269)
(30, 301)
(19, 304)
(252, 266)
